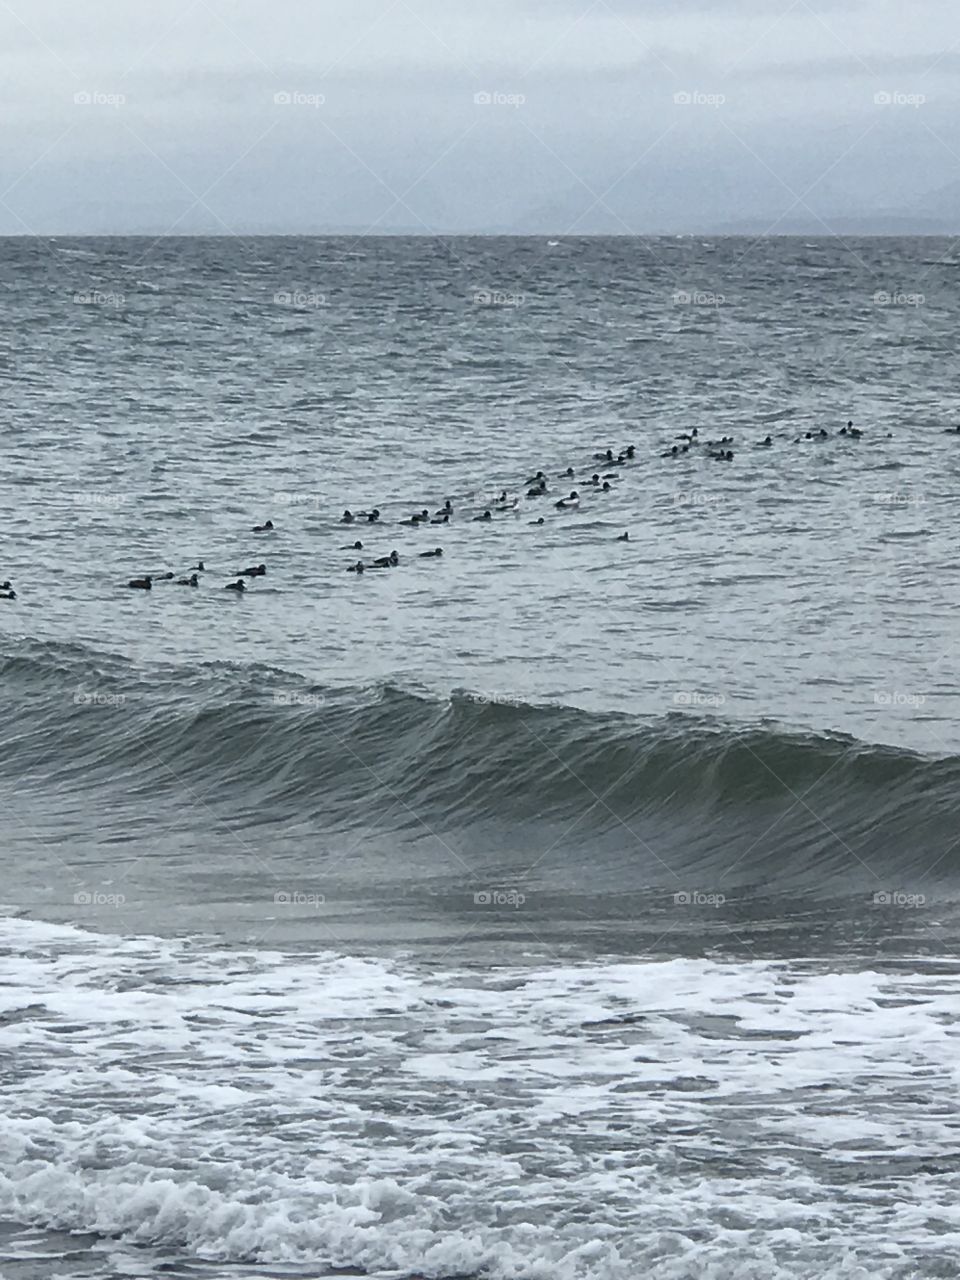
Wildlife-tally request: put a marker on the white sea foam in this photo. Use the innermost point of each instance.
(674, 1119)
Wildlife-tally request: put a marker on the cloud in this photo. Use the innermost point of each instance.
(572, 90)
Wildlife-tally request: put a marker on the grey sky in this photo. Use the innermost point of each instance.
(621, 115)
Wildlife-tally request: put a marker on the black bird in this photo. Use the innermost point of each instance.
(387, 562)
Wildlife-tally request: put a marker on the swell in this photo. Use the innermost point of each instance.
(265, 747)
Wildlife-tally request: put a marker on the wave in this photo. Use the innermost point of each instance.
(689, 790)
(187, 1110)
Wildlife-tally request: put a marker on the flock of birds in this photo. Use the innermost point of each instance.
(537, 487)
(718, 448)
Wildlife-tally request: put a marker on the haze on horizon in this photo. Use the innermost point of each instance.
(510, 116)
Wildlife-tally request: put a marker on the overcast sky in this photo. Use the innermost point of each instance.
(542, 115)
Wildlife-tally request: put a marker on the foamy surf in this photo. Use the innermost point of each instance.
(603, 1120)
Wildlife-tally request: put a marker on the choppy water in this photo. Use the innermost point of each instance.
(562, 907)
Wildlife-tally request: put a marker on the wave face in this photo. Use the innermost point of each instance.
(756, 803)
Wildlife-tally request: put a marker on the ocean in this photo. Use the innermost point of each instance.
(563, 907)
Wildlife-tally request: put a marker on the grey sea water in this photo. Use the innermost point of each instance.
(562, 906)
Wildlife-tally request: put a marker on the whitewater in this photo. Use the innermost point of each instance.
(683, 1117)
